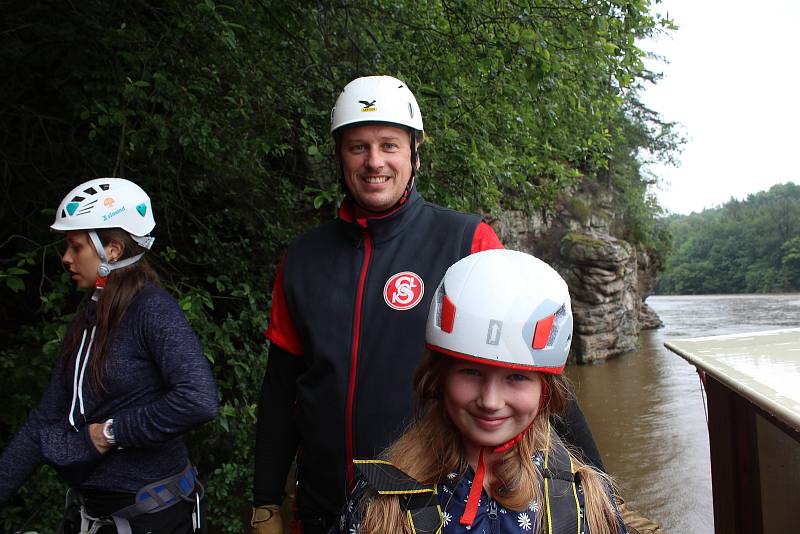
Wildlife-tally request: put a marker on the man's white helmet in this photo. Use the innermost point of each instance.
(381, 99)
(502, 308)
(107, 203)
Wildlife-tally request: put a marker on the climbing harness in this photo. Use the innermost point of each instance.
(419, 501)
(562, 508)
(154, 497)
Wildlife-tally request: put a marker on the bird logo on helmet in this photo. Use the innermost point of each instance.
(503, 308)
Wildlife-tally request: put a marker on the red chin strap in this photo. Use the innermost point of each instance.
(468, 517)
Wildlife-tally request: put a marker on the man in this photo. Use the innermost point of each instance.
(349, 308)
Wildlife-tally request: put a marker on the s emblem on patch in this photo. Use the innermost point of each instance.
(403, 290)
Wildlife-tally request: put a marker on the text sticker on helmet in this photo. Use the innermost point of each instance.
(403, 290)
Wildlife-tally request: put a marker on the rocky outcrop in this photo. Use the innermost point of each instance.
(646, 277)
(607, 276)
(605, 302)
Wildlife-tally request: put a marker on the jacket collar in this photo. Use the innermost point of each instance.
(381, 226)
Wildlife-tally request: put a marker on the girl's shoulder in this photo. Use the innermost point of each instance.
(381, 479)
(154, 305)
(154, 296)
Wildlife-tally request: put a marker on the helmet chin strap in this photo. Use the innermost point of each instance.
(471, 509)
(105, 267)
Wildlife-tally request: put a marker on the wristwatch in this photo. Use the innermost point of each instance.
(108, 432)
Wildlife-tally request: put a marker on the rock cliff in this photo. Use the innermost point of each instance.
(607, 276)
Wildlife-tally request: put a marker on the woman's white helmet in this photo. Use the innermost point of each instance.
(503, 308)
(381, 99)
(107, 203)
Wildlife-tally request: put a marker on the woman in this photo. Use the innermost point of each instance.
(482, 456)
(131, 379)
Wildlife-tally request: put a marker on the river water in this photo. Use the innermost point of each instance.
(647, 410)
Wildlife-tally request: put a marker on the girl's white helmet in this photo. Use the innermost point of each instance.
(502, 308)
(107, 203)
(381, 99)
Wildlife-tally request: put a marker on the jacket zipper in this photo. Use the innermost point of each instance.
(351, 390)
(493, 513)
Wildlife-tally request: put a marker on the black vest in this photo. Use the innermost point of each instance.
(355, 396)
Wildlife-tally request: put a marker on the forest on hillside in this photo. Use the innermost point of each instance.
(743, 246)
(220, 111)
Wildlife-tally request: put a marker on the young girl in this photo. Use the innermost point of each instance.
(482, 457)
(132, 378)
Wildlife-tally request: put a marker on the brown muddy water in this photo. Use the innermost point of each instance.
(647, 410)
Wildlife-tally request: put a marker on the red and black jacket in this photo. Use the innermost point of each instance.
(351, 300)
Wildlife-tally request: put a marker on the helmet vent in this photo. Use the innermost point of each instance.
(553, 334)
(543, 332)
(439, 298)
(445, 311)
(448, 315)
(559, 315)
(90, 190)
(104, 187)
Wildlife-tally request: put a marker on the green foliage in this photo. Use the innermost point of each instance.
(750, 246)
(220, 111)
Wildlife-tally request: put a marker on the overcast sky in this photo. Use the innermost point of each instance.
(733, 82)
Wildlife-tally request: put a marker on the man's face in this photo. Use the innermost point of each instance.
(376, 162)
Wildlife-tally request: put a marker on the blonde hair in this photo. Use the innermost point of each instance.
(431, 448)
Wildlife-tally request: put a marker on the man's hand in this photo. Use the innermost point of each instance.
(266, 520)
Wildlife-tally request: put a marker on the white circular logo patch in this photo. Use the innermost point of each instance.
(403, 290)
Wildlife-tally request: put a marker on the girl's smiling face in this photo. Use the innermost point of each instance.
(490, 405)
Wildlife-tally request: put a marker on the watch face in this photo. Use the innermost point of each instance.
(108, 430)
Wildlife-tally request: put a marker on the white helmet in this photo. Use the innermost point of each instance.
(381, 99)
(107, 203)
(502, 308)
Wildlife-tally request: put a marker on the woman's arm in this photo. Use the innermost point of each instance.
(190, 394)
(45, 438)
